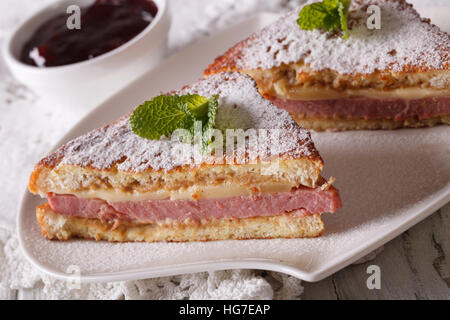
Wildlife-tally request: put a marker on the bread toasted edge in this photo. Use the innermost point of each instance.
(65, 178)
(330, 124)
(59, 227)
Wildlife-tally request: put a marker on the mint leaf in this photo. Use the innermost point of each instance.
(330, 5)
(163, 115)
(208, 128)
(197, 104)
(328, 14)
(160, 116)
(312, 16)
(343, 7)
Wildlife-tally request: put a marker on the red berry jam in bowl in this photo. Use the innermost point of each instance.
(104, 26)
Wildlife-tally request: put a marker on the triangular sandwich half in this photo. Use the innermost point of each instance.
(111, 184)
(392, 77)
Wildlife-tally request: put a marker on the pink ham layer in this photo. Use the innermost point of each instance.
(368, 109)
(306, 200)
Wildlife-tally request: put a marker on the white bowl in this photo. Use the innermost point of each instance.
(83, 85)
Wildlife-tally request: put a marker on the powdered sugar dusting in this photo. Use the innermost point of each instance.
(404, 41)
(379, 196)
(240, 106)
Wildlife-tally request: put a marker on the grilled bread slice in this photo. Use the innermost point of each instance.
(392, 77)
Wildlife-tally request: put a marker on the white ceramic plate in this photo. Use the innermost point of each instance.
(389, 181)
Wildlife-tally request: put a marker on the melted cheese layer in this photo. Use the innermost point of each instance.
(298, 82)
(297, 93)
(212, 192)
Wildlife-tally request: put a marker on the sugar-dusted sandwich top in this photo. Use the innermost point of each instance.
(390, 77)
(405, 43)
(240, 107)
(114, 163)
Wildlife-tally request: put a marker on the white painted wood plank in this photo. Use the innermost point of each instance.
(30, 294)
(415, 265)
(7, 294)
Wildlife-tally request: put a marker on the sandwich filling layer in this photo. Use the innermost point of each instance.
(294, 83)
(306, 200)
(368, 109)
(292, 225)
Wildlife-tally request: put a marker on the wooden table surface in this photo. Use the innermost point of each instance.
(415, 265)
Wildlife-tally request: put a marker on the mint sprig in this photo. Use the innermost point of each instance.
(164, 114)
(329, 15)
(160, 117)
(197, 104)
(208, 127)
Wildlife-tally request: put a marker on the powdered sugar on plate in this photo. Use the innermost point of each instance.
(389, 180)
(240, 106)
(403, 42)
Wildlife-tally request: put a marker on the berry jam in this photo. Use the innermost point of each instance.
(105, 25)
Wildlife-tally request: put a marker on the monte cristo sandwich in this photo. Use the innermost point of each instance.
(397, 75)
(114, 184)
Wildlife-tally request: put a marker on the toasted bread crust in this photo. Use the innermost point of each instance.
(231, 60)
(56, 226)
(115, 158)
(228, 61)
(325, 124)
(68, 179)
